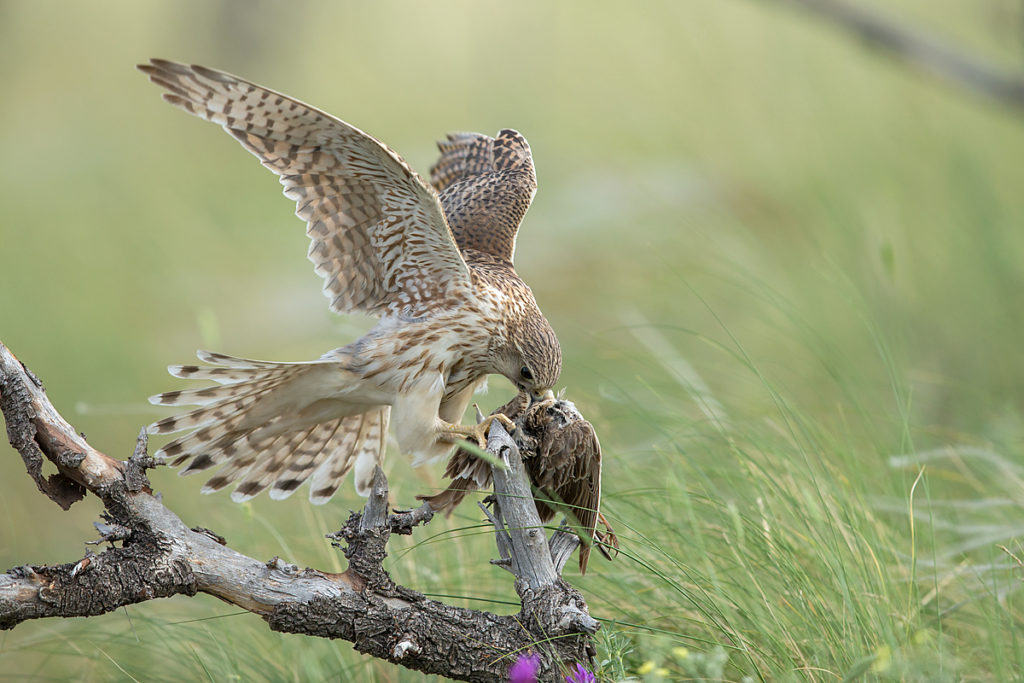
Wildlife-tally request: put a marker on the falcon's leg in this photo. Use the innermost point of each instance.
(454, 433)
(424, 433)
(452, 409)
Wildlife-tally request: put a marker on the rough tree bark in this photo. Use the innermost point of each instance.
(159, 556)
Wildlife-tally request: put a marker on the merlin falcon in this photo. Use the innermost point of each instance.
(432, 261)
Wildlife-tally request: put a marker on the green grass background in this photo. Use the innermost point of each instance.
(785, 273)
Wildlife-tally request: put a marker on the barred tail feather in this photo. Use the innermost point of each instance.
(370, 448)
(287, 465)
(230, 406)
(218, 375)
(243, 455)
(223, 360)
(273, 425)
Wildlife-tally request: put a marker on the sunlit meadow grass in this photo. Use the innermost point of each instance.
(784, 272)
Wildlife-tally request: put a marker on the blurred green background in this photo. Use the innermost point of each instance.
(784, 272)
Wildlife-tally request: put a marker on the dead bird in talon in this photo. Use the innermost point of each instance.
(432, 260)
(565, 469)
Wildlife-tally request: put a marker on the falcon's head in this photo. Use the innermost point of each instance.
(533, 360)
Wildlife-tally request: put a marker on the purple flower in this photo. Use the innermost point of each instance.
(525, 669)
(581, 675)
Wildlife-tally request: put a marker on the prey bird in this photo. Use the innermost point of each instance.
(562, 457)
(433, 261)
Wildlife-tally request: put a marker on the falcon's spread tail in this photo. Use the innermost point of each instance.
(272, 425)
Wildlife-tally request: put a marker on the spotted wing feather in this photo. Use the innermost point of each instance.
(486, 185)
(378, 234)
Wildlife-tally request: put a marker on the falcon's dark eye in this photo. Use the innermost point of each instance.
(526, 373)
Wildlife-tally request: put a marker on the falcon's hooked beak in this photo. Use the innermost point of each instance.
(542, 397)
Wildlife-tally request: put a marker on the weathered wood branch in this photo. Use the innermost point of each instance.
(159, 556)
(919, 50)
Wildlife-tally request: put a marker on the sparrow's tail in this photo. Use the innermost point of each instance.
(272, 425)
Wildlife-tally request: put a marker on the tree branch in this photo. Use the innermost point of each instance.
(160, 557)
(920, 50)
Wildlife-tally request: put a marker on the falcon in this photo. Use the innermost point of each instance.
(562, 457)
(432, 261)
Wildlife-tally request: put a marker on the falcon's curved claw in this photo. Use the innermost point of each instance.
(477, 432)
(505, 421)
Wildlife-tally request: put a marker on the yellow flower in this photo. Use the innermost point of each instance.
(680, 652)
(883, 659)
(646, 668)
(661, 672)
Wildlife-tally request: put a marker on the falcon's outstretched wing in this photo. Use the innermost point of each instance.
(486, 186)
(379, 236)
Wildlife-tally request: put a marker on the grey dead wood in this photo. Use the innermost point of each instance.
(525, 547)
(160, 556)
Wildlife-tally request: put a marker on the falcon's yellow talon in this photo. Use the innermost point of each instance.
(477, 432)
(505, 421)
